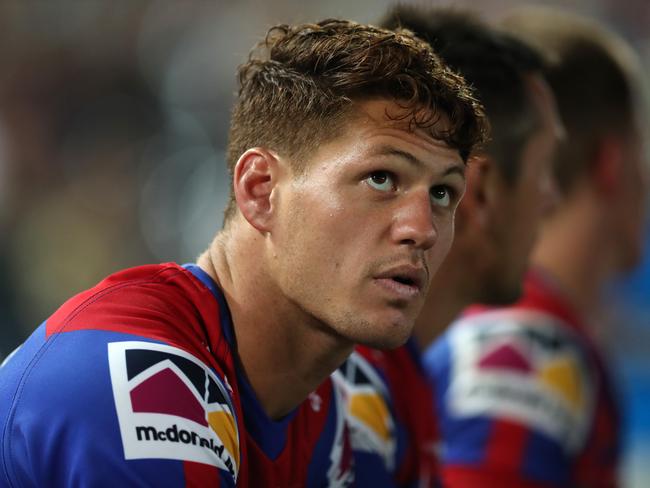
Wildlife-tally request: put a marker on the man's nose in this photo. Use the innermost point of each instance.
(413, 223)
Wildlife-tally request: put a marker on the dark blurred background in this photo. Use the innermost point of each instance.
(113, 124)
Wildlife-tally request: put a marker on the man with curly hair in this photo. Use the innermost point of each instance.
(347, 153)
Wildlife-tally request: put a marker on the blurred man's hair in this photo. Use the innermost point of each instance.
(301, 83)
(594, 75)
(493, 62)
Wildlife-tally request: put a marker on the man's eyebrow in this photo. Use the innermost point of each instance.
(407, 156)
(392, 151)
(458, 169)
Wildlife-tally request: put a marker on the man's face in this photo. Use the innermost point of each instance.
(358, 236)
(527, 200)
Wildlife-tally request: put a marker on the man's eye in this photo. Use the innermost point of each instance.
(441, 196)
(381, 180)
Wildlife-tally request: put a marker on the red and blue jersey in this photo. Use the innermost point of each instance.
(391, 419)
(523, 398)
(136, 382)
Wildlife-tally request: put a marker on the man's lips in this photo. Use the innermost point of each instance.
(404, 281)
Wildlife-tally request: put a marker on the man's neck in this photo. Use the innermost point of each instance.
(284, 352)
(575, 252)
(447, 298)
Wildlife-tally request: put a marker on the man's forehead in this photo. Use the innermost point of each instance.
(389, 116)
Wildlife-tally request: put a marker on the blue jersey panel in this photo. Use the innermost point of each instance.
(321, 460)
(370, 470)
(545, 461)
(436, 361)
(62, 428)
(470, 434)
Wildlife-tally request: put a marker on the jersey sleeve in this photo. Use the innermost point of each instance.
(371, 422)
(104, 409)
(515, 396)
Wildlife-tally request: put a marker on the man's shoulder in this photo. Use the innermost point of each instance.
(523, 364)
(118, 398)
(127, 362)
(138, 299)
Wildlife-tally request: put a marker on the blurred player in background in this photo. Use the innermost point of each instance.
(347, 150)
(390, 403)
(523, 393)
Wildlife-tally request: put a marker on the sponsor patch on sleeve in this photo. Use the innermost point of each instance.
(524, 366)
(372, 428)
(172, 406)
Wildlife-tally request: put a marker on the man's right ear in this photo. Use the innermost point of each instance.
(477, 201)
(608, 166)
(254, 178)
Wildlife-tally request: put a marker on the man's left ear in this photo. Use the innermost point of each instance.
(476, 205)
(608, 168)
(255, 176)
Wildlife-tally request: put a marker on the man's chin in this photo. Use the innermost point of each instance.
(394, 336)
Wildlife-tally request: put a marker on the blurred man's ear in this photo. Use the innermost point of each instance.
(608, 168)
(475, 207)
(255, 176)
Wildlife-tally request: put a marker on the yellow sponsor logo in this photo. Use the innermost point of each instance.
(562, 376)
(371, 410)
(224, 425)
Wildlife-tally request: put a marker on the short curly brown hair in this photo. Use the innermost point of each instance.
(299, 84)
